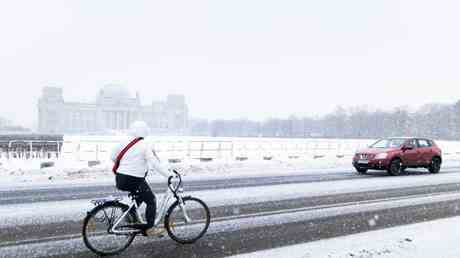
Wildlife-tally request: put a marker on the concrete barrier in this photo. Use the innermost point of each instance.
(318, 156)
(174, 160)
(46, 164)
(93, 163)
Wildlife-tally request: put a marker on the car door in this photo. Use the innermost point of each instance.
(411, 157)
(425, 151)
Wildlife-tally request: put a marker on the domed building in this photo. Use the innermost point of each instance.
(115, 108)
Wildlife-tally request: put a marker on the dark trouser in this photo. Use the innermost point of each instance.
(139, 187)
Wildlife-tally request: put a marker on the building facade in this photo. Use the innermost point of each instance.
(4, 122)
(114, 110)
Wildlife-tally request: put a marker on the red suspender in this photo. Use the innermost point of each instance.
(122, 153)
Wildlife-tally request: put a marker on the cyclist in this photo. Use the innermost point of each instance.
(133, 167)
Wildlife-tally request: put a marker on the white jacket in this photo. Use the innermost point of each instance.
(139, 159)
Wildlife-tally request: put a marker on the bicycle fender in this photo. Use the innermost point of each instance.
(104, 200)
(103, 204)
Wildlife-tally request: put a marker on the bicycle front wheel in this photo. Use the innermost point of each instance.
(189, 223)
(97, 224)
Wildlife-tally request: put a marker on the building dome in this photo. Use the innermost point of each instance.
(115, 92)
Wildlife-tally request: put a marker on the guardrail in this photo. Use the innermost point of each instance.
(207, 150)
(30, 149)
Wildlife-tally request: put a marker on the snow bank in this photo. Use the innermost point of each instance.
(17, 173)
(21, 173)
(409, 241)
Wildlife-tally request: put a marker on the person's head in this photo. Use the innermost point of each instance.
(139, 129)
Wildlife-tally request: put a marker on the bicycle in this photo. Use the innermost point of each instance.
(107, 228)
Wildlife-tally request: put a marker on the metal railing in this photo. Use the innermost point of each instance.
(30, 149)
(205, 150)
(221, 149)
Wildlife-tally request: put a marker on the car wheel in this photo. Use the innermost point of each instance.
(435, 166)
(361, 171)
(395, 168)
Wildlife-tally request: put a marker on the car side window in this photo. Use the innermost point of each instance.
(424, 143)
(412, 143)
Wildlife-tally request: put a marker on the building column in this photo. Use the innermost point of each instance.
(107, 120)
(117, 120)
(122, 120)
(120, 114)
(114, 120)
(125, 119)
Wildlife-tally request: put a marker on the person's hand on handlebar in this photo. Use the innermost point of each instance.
(174, 178)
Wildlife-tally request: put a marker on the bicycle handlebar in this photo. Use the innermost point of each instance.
(178, 185)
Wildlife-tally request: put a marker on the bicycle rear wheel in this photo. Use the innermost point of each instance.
(97, 223)
(187, 232)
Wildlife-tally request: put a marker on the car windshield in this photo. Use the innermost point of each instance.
(388, 143)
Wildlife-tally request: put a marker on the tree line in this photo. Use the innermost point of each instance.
(438, 121)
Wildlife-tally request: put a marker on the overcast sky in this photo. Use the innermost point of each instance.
(235, 58)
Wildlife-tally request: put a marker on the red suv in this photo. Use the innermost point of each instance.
(397, 154)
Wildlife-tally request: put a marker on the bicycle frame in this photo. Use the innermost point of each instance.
(169, 194)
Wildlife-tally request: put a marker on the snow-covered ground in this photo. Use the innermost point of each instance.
(399, 242)
(56, 211)
(437, 238)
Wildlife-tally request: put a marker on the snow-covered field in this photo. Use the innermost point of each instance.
(409, 241)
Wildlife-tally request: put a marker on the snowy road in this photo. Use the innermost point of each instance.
(249, 214)
(76, 192)
(59, 193)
